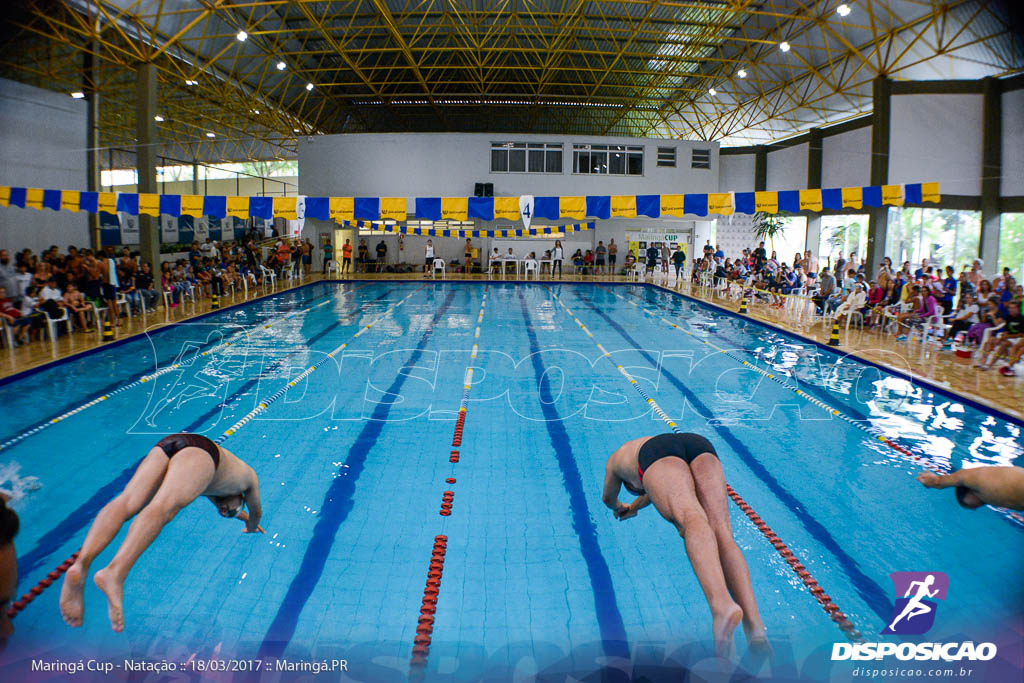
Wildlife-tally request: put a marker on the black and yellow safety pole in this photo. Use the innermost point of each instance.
(834, 339)
(215, 303)
(108, 331)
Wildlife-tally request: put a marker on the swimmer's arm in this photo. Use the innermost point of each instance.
(612, 484)
(640, 502)
(999, 486)
(252, 501)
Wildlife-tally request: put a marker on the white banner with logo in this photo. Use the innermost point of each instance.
(168, 228)
(526, 209)
(129, 228)
(201, 229)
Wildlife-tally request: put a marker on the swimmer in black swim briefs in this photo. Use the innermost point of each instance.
(682, 476)
(176, 471)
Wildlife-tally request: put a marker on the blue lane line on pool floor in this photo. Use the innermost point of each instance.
(821, 392)
(874, 595)
(158, 365)
(335, 508)
(609, 619)
(57, 537)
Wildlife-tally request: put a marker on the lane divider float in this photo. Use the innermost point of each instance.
(428, 607)
(23, 602)
(840, 619)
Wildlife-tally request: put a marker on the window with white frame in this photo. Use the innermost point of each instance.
(526, 157)
(607, 160)
(667, 157)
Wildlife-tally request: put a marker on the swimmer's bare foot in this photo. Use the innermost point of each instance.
(71, 607)
(757, 639)
(723, 625)
(114, 588)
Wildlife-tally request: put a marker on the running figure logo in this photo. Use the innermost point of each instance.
(914, 613)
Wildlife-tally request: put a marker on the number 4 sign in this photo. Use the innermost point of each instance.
(526, 209)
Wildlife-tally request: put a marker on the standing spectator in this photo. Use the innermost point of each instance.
(328, 248)
(307, 256)
(600, 252)
(652, 257)
(346, 257)
(428, 256)
(7, 273)
(362, 256)
(468, 253)
(666, 255)
(556, 259)
(679, 260)
(613, 250)
(382, 255)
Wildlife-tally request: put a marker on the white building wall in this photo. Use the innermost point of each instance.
(737, 172)
(846, 158)
(937, 138)
(1013, 144)
(787, 168)
(42, 144)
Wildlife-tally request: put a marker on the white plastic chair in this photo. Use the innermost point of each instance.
(8, 333)
(97, 315)
(268, 276)
(332, 267)
(51, 323)
(637, 273)
(531, 267)
(122, 302)
(438, 266)
(496, 265)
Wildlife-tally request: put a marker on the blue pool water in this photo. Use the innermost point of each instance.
(538, 575)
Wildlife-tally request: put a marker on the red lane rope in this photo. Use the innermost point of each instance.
(34, 592)
(435, 571)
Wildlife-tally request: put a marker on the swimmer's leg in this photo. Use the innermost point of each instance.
(671, 488)
(710, 484)
(140, 489)
(189, 473)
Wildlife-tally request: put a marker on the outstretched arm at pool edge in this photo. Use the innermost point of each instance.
(252, 501)
(999, 486)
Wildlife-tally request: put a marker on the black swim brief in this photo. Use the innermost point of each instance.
(683, 446)
(175, 442)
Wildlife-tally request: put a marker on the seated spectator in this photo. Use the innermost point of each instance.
(963, 318)
(851, 303)
(144, 286)
(74, 302)
(1004, 342)
(825, 299)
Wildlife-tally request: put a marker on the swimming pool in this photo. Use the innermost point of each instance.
(537, 574)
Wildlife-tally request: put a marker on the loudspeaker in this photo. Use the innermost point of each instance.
(488, 189)
(478, 190)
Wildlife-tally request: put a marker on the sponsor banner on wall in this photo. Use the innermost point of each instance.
(129, 228)
(200, 228)
(168, 228)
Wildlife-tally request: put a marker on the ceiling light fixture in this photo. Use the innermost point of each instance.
(843, 10)
(256, 111)
(211, 135)
(78, 94)
(295, 130)
(784, 46)
(712, 92)
(281, 66)
(241, 36)
(742, 73)
(158, 118)
(189, 81)
(309, 86)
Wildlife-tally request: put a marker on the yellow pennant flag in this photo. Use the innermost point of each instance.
(930, 192)
(852, 197)
(70, 200)
(236, 206)
(720, 203)
(672, 205)
(341, 208)
(107, 201)
(810, 200)
(506, 207)
(454, 208)
(5, 196)
(191, 205)
(892, 195)
(573, 207)
(284, 207)
(768, 202)
(34, 198)
(623, 206)
(149, 204)
(393, 209)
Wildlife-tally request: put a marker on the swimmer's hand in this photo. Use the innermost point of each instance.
(258, 529)
(932, 481)
(624, 512)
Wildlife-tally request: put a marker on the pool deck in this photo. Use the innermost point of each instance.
(941, 368)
